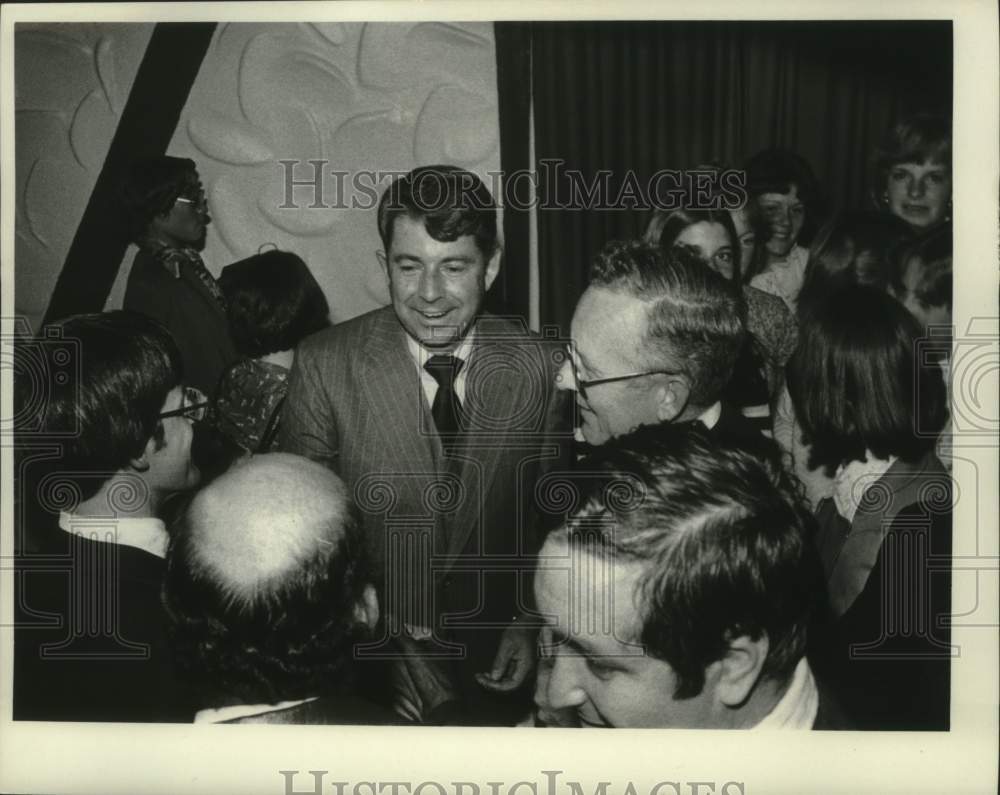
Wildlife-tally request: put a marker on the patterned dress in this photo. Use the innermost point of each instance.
(248, 404)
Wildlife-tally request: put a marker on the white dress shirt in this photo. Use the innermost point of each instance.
(420, 356)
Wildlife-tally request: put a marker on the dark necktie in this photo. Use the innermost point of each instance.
(447, 409)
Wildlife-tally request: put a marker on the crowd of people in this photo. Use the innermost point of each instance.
(721, 501)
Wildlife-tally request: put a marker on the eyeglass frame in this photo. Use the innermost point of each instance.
(582, 385)
(186, 408)
(202, 202)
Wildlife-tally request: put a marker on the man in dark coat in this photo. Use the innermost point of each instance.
(89, 640)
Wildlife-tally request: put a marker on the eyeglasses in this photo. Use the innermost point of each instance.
(199, 203)
(194, 403)
(582, 385)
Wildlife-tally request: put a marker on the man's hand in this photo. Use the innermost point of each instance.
(514, 661)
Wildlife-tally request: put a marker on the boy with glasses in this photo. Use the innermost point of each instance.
(90, 642)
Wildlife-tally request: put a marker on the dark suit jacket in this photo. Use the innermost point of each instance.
(89, 640)
(192, 315)
(885, 648)
(453, 536)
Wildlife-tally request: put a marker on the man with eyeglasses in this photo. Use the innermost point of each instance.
(655, 338)
(90, 642)
(168, 217)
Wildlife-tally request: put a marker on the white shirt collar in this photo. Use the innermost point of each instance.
(798, 707)
(222, 714)
(141, 532)
(421, 354)
(710, 417)
(853, 479)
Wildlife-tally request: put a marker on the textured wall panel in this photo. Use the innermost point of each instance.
(360, 96)
(71, 83)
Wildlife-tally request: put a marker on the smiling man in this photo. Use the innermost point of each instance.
(655, 338)
(438, 418)
(678, 593)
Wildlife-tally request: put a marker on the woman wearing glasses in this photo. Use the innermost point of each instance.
(168, 218)
(711, 235)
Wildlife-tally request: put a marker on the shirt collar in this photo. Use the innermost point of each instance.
(798, 707)
(421, 354)
(141, 532)
(710, 417)
(853, 479)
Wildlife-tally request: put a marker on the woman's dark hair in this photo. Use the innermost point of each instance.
(858, 382)
(664, 227)
(853, 248)
(151, 186)
(919, 138)
(273, 302)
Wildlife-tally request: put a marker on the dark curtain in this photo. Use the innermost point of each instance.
(509, 295)
(637, 97)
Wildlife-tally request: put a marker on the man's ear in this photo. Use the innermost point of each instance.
(493, 266)
(366, 610)
(738, 671)
(672, 398)
(383, 261)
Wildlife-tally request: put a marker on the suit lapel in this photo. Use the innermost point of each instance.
(492, 391)
(392, 388)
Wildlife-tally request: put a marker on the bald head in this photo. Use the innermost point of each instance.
(263, 521)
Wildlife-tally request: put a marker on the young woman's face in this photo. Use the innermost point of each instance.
(784, 213)
(919, 193)
(711, 242)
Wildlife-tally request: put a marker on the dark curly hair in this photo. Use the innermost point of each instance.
(723, 539)
(151, 186)
(293, 639)
(273, 302)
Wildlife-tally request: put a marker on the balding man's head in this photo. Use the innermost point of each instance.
(261, 522)
(267, 584)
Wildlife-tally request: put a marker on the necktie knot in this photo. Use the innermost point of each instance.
(444, 369)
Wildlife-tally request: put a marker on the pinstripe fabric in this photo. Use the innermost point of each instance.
(441, 528)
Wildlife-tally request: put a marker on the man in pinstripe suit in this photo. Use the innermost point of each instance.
(440, 419)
